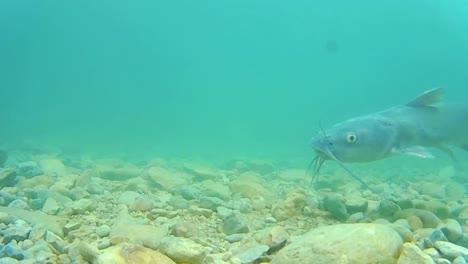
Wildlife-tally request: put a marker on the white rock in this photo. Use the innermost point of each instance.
(459, 260)
(146, 235)
(50, 206)
(343, 243)
(103, 230)
(451, 250)
(53, 167)
(131, 254)
(183, 250)
(412, 254)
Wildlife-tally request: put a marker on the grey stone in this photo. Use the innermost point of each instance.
(128, 253)
(336, 207)
(438, 208)
(428, 218)
(29, 169)
(234, 223)
(433, 189)
(178, 202)
(7, 194)
(5, 218)
(18, 231)
(258, 203)
(193, 210)
(214, 259)
(412, 254)
(63, 258)
(211, 202)
(81, 206)
(50, 206)
(404, 232)
(442, 261)
(37, 233)
(223, 212)
(234, 238)
(414, 223)
(128, 197)
(156, 212)
(270, 220)
(459, 260)
(78, 193)
(405, 203)
(437, 235)
(141, 204)
(18, 204)
(183, 250)
(450, 250)
(261, 167)
(402, 222)
(432, 252)
(452, 230)
(56, 242)
(103, 230)
(320, 245)
(8, 260)
(184, 229)
(11, 251)
(94, 188)
(388, 208)
(189, 192)
(463, 241)
(71, 226)
(53, 223)
(243, 205)
(356, 217)
(43, 194)
(249, 256)
(103, 243)
(201, 172)
(7, 177)
(355, 205)
(26, 244)
(40, 252)
(36, 204)
(147, 235)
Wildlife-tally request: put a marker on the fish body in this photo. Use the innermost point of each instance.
(406, 129)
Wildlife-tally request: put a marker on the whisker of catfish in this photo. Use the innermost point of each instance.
(317, 167)
(313, 166)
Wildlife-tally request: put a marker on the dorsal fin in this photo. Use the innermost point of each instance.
(428, 98)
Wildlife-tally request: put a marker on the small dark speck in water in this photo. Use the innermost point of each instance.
(332, 46)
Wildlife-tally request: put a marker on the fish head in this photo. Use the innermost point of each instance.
(356, 140)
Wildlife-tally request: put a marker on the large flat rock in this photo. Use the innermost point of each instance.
(344, 243)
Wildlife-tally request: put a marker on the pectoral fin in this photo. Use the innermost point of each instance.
(417, 151)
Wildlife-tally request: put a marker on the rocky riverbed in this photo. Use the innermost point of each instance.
(62, 209)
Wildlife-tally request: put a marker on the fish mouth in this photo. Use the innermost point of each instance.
(321, 155)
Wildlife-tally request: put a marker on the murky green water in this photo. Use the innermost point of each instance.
(217, 79)
(177, 131)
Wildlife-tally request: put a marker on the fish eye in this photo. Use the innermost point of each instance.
(351, 137)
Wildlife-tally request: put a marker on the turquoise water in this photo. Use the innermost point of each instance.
(217, 79)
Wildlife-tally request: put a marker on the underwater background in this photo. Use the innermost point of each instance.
(217, 79)
(178, 131)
